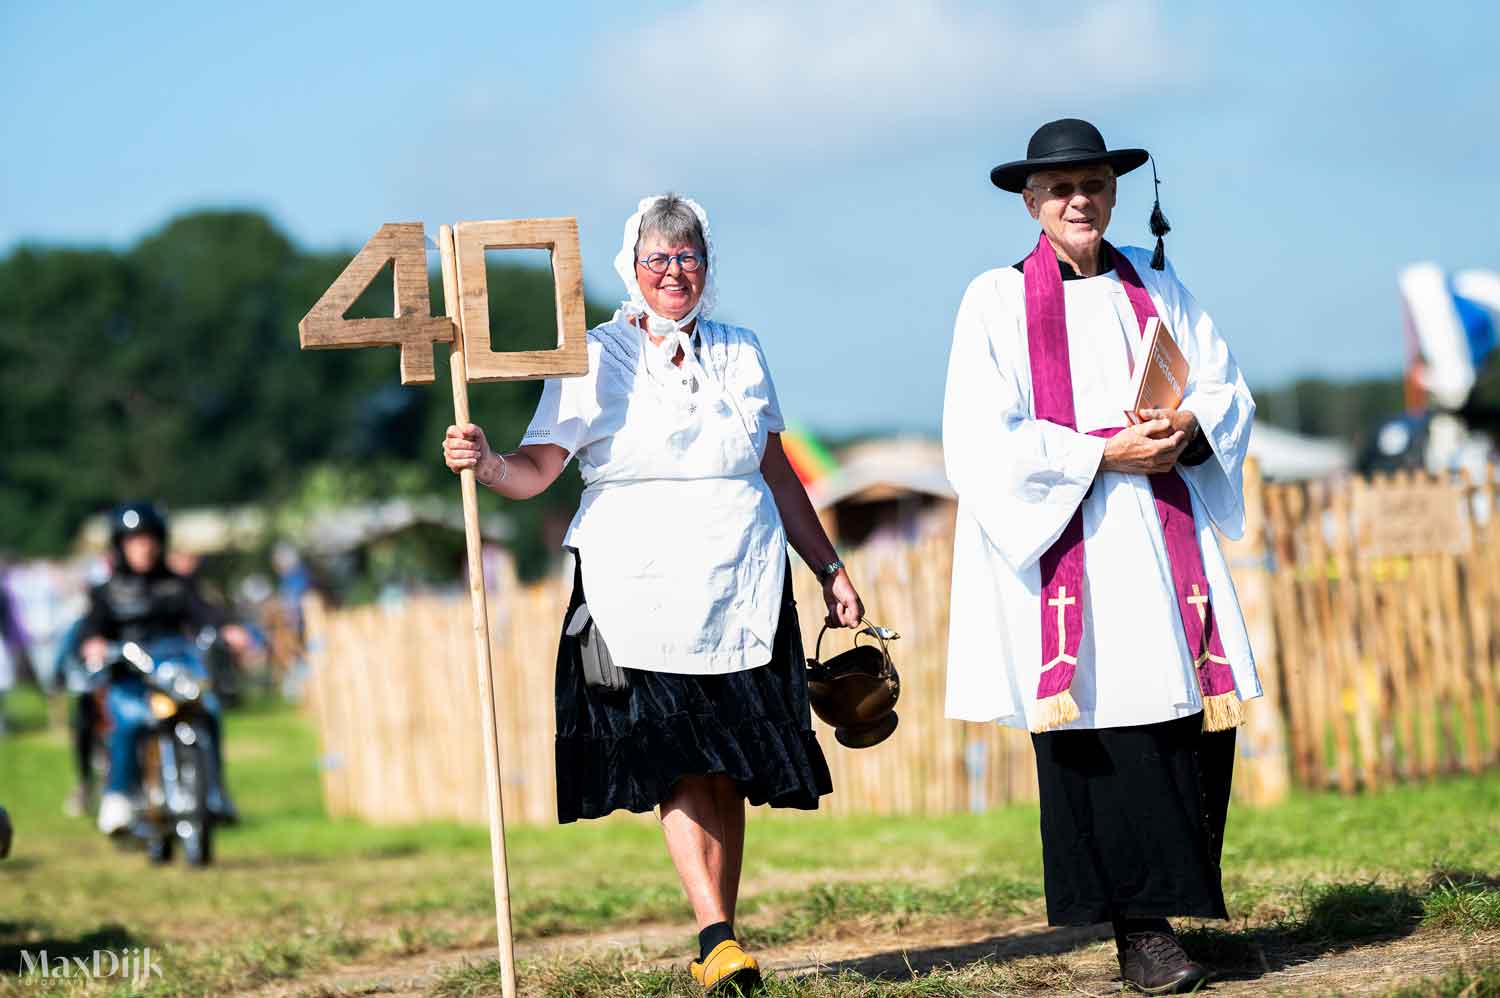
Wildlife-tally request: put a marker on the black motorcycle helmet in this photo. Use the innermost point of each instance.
(135, 518)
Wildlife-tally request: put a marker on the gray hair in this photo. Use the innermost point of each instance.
(672, 219)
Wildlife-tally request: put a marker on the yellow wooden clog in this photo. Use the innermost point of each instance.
(727, 964)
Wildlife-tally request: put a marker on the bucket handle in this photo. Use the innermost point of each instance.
(881, 634)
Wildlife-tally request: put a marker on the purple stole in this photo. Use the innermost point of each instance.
(1062, 563)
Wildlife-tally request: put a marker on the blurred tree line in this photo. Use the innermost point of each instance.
(1321, 407)
(172, 370)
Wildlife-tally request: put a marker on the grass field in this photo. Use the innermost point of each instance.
(296, 897)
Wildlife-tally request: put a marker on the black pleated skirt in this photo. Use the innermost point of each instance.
(1133, 820)
(628, 749)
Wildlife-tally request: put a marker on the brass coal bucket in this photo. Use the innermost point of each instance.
(855, 692)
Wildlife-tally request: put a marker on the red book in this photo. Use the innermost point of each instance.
(1161, 372)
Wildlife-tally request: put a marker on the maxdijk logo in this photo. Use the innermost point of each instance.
(136, 964)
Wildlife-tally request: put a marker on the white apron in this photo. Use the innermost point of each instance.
(682, 546)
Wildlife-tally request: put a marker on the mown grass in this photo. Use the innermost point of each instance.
(1466, 902)
(613, 976)
(1482, 981)
(1323, 917)
(295, 892)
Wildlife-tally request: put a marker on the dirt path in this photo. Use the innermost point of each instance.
(1037, 960)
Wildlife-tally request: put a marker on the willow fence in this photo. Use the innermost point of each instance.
(1369, 605)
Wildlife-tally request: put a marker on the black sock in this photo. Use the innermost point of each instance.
(713, 936)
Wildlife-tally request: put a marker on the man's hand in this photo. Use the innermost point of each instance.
(1147, 448)
(238, 639)
(92, 651)
(1180, 419)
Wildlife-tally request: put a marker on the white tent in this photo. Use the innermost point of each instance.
(888, 466)
(1286, 455)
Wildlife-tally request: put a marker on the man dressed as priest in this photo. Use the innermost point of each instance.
(1091, 603)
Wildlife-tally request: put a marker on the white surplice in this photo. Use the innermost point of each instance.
(683, 549)
(1019, 480)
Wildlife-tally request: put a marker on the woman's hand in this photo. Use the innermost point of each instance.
(845, 608)
(465, 447)
(1148, 448)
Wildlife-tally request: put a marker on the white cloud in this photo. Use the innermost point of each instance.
(851, 74)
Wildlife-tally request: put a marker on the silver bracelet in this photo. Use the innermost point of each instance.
(504, 471)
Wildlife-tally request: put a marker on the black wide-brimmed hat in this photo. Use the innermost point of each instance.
(1064, 143)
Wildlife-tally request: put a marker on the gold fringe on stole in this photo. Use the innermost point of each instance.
(1222, 712)
(1055, 711)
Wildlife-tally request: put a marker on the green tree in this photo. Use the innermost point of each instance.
(172, 370)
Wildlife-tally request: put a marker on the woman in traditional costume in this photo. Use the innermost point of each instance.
(680, 674)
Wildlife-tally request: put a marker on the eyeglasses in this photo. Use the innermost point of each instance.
(660, 263)
(1067, 189)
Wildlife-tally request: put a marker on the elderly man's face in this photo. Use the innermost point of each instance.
(1073, 219)
(674, 293)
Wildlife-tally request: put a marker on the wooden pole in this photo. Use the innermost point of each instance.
(481, 629)
(1263, 758)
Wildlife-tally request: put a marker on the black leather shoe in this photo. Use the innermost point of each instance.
(1155, 963)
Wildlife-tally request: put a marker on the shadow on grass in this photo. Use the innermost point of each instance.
(16, 938)
(997, 949)
(1326, 918)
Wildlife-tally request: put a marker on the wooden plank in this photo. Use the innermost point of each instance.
(1262, 775)
(1286, 660)
(1479, 571)
(1302, 632)
(413, 328)
(1412, 517)
(482, 361)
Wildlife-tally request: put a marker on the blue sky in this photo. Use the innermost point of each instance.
(842, 150)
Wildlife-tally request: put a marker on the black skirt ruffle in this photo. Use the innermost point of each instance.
(628, 749)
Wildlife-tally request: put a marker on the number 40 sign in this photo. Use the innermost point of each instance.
(466, 328)
(414, 329)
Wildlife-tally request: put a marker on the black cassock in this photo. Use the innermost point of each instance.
(1133, 820)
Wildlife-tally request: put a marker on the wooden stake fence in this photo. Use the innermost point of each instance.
(1370, 606)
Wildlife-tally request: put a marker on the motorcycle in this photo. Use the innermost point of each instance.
(179, 771)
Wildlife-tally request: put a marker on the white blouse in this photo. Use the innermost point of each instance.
(683, 549)
(1020, 479)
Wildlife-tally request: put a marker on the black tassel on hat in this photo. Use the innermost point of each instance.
(1159, 225)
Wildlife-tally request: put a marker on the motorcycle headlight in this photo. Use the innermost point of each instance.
(187, 687)
(162, 706)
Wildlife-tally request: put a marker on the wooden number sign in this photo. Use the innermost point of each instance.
(560, 235)
(415, 329)
(466, 328)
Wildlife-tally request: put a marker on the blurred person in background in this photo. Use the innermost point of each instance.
(15, 657)
(143, 599)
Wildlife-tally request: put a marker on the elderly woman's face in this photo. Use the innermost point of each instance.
(674, 293)
(1072, 206)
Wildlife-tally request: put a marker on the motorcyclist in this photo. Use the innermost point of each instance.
(143, 599)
